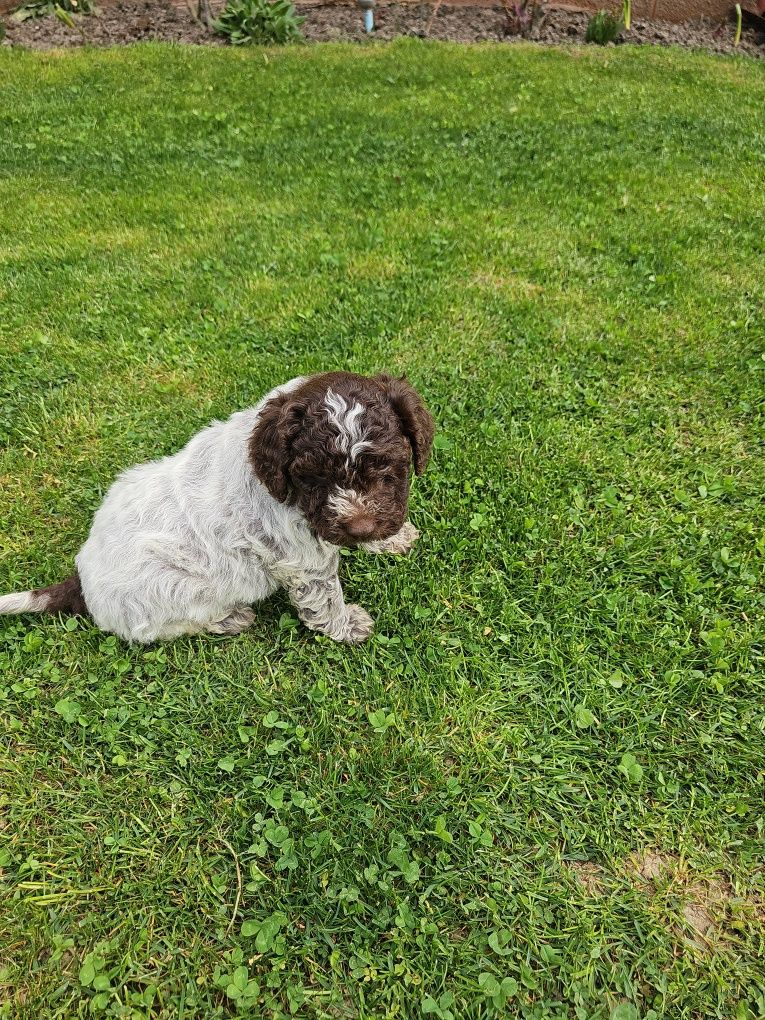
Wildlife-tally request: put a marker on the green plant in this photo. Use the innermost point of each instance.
(259, 22)
(627, 14)
(63, 9)
(603, 28)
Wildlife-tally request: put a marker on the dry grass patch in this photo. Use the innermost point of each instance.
(703, 903)
(589, 876)
(505, 281)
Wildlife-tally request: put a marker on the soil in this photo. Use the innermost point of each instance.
(129, 21)
(123, 21)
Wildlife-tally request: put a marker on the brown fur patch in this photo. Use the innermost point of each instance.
(64, 597)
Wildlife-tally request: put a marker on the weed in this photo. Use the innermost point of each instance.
(602, 28)
(62, 9)
(259, 22)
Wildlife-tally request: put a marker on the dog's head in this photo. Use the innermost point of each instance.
(341, 446)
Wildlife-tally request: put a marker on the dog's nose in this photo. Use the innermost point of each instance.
(360, 527)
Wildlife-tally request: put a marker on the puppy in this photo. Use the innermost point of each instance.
(264, 500)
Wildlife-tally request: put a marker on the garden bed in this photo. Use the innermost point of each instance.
(129, 21)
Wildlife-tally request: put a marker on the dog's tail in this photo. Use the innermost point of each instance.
(65, 597)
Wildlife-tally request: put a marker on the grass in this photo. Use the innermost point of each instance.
(539, 790)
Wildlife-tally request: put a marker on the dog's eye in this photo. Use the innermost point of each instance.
(382, 467)
(312, 479)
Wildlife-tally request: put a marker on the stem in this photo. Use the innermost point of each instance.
(737, 38)
(238, 883)
(432, 17)
(203, 13)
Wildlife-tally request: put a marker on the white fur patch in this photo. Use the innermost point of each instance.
(346, 503)
(350, 438)
(21, 602)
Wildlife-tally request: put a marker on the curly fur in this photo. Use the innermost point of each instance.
(189, 542)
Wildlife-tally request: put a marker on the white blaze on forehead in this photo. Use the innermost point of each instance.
(350, 438)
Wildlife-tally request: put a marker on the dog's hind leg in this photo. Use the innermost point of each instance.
(240, 620)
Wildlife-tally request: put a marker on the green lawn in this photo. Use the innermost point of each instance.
(543, 780)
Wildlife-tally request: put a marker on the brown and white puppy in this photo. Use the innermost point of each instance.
(264, 500)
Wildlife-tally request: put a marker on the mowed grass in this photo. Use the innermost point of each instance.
(538, 791)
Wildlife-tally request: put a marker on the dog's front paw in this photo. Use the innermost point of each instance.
(397, 544)
(359, 626)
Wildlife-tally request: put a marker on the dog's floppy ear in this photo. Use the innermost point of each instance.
(271, 442)
(419, 427)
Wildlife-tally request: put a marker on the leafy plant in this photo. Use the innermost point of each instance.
(63, 9)
(265, 931)
(630, 768)
(398, 856)
(441, 1008)
(603, 28)
(381, 720)
(64, 16)
(523, 16)
(259, 22)
(237, 984)
(584, 717)
(624, 1011)
(68, 710)
(498, 992)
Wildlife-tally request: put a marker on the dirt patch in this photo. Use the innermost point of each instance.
(706, 905)
(489, 24)
(666, 10)
(699, 910)
(589, 876)
(129, 21)
(651, 866)
(703, 903)
(698, 917)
